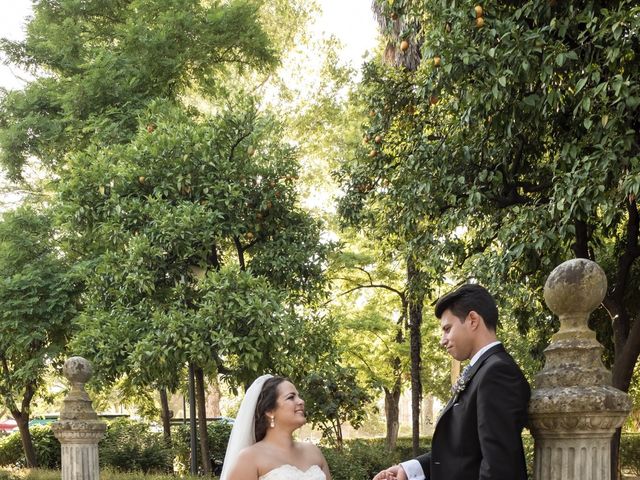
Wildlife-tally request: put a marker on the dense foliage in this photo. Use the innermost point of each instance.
(39, 295)
(356, 460)
(106, 61)
(132, 446)
(218, 433)
(513, 146)
(172, 182)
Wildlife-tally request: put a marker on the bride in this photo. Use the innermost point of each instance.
(261, 445)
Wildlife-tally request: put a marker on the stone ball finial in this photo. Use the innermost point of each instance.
(77, 370)
(577, 285)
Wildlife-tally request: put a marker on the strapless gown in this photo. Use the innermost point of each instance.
(289, 472)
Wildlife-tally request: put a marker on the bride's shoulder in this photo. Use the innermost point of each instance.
(309, 449)
(249, 453)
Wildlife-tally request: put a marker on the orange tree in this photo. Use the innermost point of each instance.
(513, 146)
(202, 250)
(162, 202)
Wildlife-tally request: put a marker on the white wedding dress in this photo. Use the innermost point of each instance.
(289, 472)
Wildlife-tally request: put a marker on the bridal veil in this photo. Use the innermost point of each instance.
(243, 431)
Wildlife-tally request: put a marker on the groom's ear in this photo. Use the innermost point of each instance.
(475, 320)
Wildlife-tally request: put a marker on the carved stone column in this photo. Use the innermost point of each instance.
(79, 430)
(574, 410)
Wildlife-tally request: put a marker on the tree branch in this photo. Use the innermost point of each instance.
(240, 251)
(581, 246)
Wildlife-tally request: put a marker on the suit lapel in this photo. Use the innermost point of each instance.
(483, 358)
(472, 372)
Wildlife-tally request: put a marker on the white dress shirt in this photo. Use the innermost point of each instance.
(412, 468)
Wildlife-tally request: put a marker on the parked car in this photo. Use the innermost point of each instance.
(8, 426)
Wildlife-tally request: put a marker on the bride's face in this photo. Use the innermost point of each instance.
(289, 406)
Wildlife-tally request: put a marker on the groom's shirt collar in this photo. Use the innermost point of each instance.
(479, 353)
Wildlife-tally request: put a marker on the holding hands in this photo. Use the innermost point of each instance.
(395, 472)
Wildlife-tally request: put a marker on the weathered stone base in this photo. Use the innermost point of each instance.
(579, 459)
(80, 462)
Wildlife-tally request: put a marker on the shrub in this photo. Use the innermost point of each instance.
(372, 457)
(45, 444)
(129, 445)
(630, 453)
(218, 433)
(361, 459)
(11, 453)
(529, 449)
(341, 466)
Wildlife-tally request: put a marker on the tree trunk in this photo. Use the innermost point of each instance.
(193, 447)
(166, 416)
(626, 355)
(626, 341)
(392, 413)
(415, 322)
(202, 422)
(337, 429)
(22, 419)
(615, 455)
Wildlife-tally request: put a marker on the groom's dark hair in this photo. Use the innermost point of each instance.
(267, 400)
(470, 297)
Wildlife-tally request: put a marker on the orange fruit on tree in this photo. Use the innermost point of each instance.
(479, 11)
(437, 61)
(480, 22)
(404, 45)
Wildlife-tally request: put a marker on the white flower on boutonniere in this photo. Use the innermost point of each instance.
(461, 382)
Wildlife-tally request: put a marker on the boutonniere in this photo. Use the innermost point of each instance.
(461, 382)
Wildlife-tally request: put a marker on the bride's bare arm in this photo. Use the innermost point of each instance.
(245, 467)
(325, 468)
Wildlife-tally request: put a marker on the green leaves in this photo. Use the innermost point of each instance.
(198, 238)
(39, 292)
(518, 154)
(108, 64)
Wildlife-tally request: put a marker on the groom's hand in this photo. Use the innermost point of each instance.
(384, 475)
(392, 473)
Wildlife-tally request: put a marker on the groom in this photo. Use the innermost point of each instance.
(478, 434)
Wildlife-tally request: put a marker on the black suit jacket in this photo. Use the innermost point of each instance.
(478, 434)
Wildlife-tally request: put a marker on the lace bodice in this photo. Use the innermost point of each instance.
(289, 472)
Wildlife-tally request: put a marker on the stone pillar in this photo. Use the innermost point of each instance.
(79, 430)
(574, 410)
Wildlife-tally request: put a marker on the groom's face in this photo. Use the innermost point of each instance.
(457, 336)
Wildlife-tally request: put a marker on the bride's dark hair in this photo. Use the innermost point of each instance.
(266, 401)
